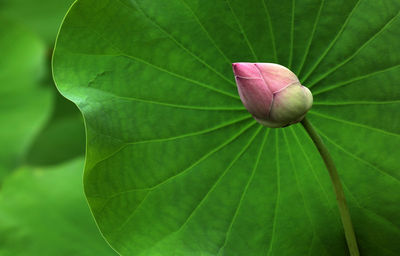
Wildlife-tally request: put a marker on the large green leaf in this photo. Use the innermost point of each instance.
(43, 212)
(25, 105)
(176, 166)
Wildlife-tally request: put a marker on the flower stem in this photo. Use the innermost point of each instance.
(341, 200)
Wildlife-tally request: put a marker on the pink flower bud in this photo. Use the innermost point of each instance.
(272, 93)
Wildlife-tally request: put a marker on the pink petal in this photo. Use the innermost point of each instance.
(245, 69)
(255, 95)
(276, 76)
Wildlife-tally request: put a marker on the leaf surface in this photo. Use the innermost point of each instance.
(176, 165)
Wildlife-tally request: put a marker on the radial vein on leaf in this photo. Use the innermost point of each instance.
(278, 191)
(268, 16)
(217, 181)
(354, 199)
(152, 21)
(360, 206)
(331, 44)
(366, 163)
(330, 71)
(198, 205)
(219, 126)
(166, 104)
(303, 60)
(242, 30)
(314, 234)
(250, 179)
(182, 77)
(205, 31)
(355, 79)
(338, 103)
(198, 161)
(311, 167)
(122, 53)
(354, 124)
(291, 36)
(357, 157)
(351, 194)
(204, 157)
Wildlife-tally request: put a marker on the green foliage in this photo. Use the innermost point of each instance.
(176, 166)
(41, 17)
(48, 203)
(21, 73)
(42, 210)
(33, 115)
(63, 137)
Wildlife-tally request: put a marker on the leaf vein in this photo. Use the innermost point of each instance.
(176, 41)
(242, 30)
(323, 76)
(385, 173)
(204, 157)
(337, 103)
(311, 167)
(171, 138)
(355, 124)
(341, 84)
(134, 58)
(167, 104)
(180, 76)
(331, 43)
(277, 195)
(311, 38)
(207, 33)
(228, 233)
(291, 36)
(220, 177)
(314, 234)
(270, 30)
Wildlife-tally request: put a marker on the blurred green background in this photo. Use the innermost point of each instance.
(43, 210)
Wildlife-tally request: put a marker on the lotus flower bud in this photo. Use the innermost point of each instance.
(272, 93)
